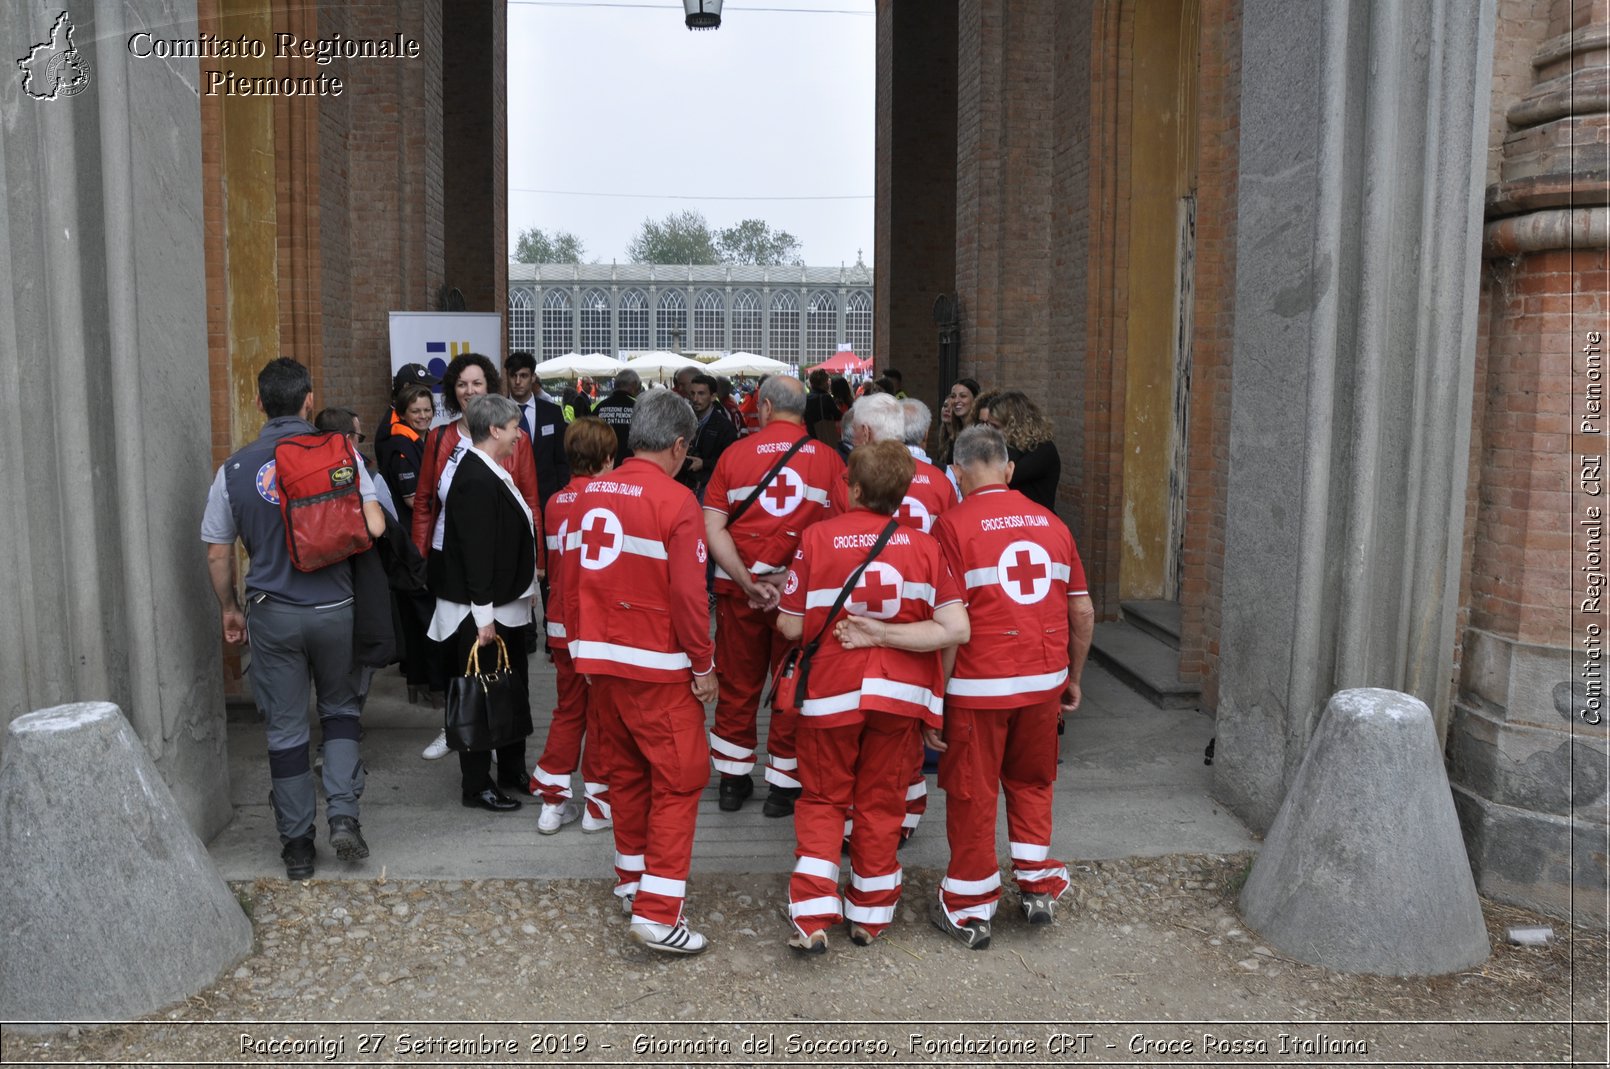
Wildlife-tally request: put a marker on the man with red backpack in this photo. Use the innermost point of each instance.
(300, 622)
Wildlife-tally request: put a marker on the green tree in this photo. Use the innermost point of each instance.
(754, 242)
(536, 246)
(680, 238)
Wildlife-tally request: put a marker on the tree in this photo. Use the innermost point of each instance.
(682, 238)
(535, 246)
(754, 242)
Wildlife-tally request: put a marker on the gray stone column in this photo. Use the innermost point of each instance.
(1363, 133)
(104, 396)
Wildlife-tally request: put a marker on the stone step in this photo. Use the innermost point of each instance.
(1159, 618)
(1145, 664)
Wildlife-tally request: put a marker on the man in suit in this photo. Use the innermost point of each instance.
(715, 432)
(542, 421)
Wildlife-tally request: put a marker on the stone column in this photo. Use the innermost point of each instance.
(1527, 745)
(103, 325)
(1363, 129)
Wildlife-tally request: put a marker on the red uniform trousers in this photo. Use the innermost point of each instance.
(657, 764)
(573, 718)
(748, 647)
(1014, 749)
(861, 766)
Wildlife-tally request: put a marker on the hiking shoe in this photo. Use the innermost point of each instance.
(734, 789)
(667, 939)
(974, 934)
(780, 801)
(1039, 909)
(298, 857)
(554, 817)
(438, 747)
(592, 825)
(347, 839)
(860, 936)
(815, 943)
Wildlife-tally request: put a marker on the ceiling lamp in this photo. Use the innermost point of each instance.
(703, 14)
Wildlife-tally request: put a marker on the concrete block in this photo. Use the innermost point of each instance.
(1551, 771)
(1551, 864)
(1365, 868)
(109, 904)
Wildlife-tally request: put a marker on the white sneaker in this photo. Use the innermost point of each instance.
(668, 940)
(628, 904)
(437, 748)
(592, 825)
(554, 817)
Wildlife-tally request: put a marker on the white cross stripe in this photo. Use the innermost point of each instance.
(550, 778)
(643, 547)
(1030, 852)
(730, 749)
(815, 907)
(816, 866)
(738, 493)
(784, 764)
(780, 779)
(971, 887)
(868, 914)
(886, 882)
(1004, 686)
(659, 885)
(991, 576)
(610, 651)
(629, 862)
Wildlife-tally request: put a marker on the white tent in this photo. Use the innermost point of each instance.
(656, 365)
(748, 364)
(576, 364)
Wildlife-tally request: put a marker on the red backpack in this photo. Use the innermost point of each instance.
(320, 500)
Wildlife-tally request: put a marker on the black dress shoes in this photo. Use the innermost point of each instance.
(491, 799)
(734, 789)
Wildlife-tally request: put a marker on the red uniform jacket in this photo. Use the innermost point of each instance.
(906, 583)
(641, 607)
(767, 534)
(1020, 567)
(439, 445)
(930, 494)
(564, 568)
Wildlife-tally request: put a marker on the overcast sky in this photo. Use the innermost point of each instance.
(619, 97)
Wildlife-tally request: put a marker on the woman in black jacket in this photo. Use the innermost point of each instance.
(397, 454)
(1030, 444)
(484, 579)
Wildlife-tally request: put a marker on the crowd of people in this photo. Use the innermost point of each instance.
(911, 612)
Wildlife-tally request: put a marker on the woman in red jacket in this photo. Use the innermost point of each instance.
(469, 375)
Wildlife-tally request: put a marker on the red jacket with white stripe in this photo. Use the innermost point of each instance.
(929, 495)
(767, 534)
(905, 584)
(564, 571)
(641, 608)
(1020, 567)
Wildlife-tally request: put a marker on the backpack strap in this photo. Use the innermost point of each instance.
(766, 480)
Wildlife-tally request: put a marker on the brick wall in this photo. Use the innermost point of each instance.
(474, 175)
(914, 252)
(1071, 157)
(344, 380)
(1218, 112)
(1521, 566)
(1522, 26)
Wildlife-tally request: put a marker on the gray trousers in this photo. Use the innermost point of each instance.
(291, 645)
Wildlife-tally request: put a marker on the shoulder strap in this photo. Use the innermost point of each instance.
(760, 487)
(809, 649)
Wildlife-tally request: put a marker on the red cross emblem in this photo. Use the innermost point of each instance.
(784, 494)
(601, 539)
(877, 592)
(913, 513)
(1025, 572)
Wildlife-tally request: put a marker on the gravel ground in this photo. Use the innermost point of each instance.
(1148, 959)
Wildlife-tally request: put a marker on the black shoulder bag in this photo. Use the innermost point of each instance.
(791, 687)
(760, 487)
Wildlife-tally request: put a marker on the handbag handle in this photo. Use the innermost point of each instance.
(472, 665)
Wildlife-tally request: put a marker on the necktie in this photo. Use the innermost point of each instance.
(525, 424)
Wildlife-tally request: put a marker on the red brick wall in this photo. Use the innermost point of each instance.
(1540, 308)
(343, 380)
(1071, 167)
(296, 172)
(914, 253)
(1218, 112)
(474, 182)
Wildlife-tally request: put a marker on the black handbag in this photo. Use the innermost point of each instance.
(488, 709)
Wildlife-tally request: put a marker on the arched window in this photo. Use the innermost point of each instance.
(633, 321)
(671, 322)
(709, 328)
(557, 334)
(858, 323)
(522, 322)
(821, 327)
(784, 328)
(746, 333)
(595, 322)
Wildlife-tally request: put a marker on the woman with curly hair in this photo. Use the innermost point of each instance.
(1030, 443)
